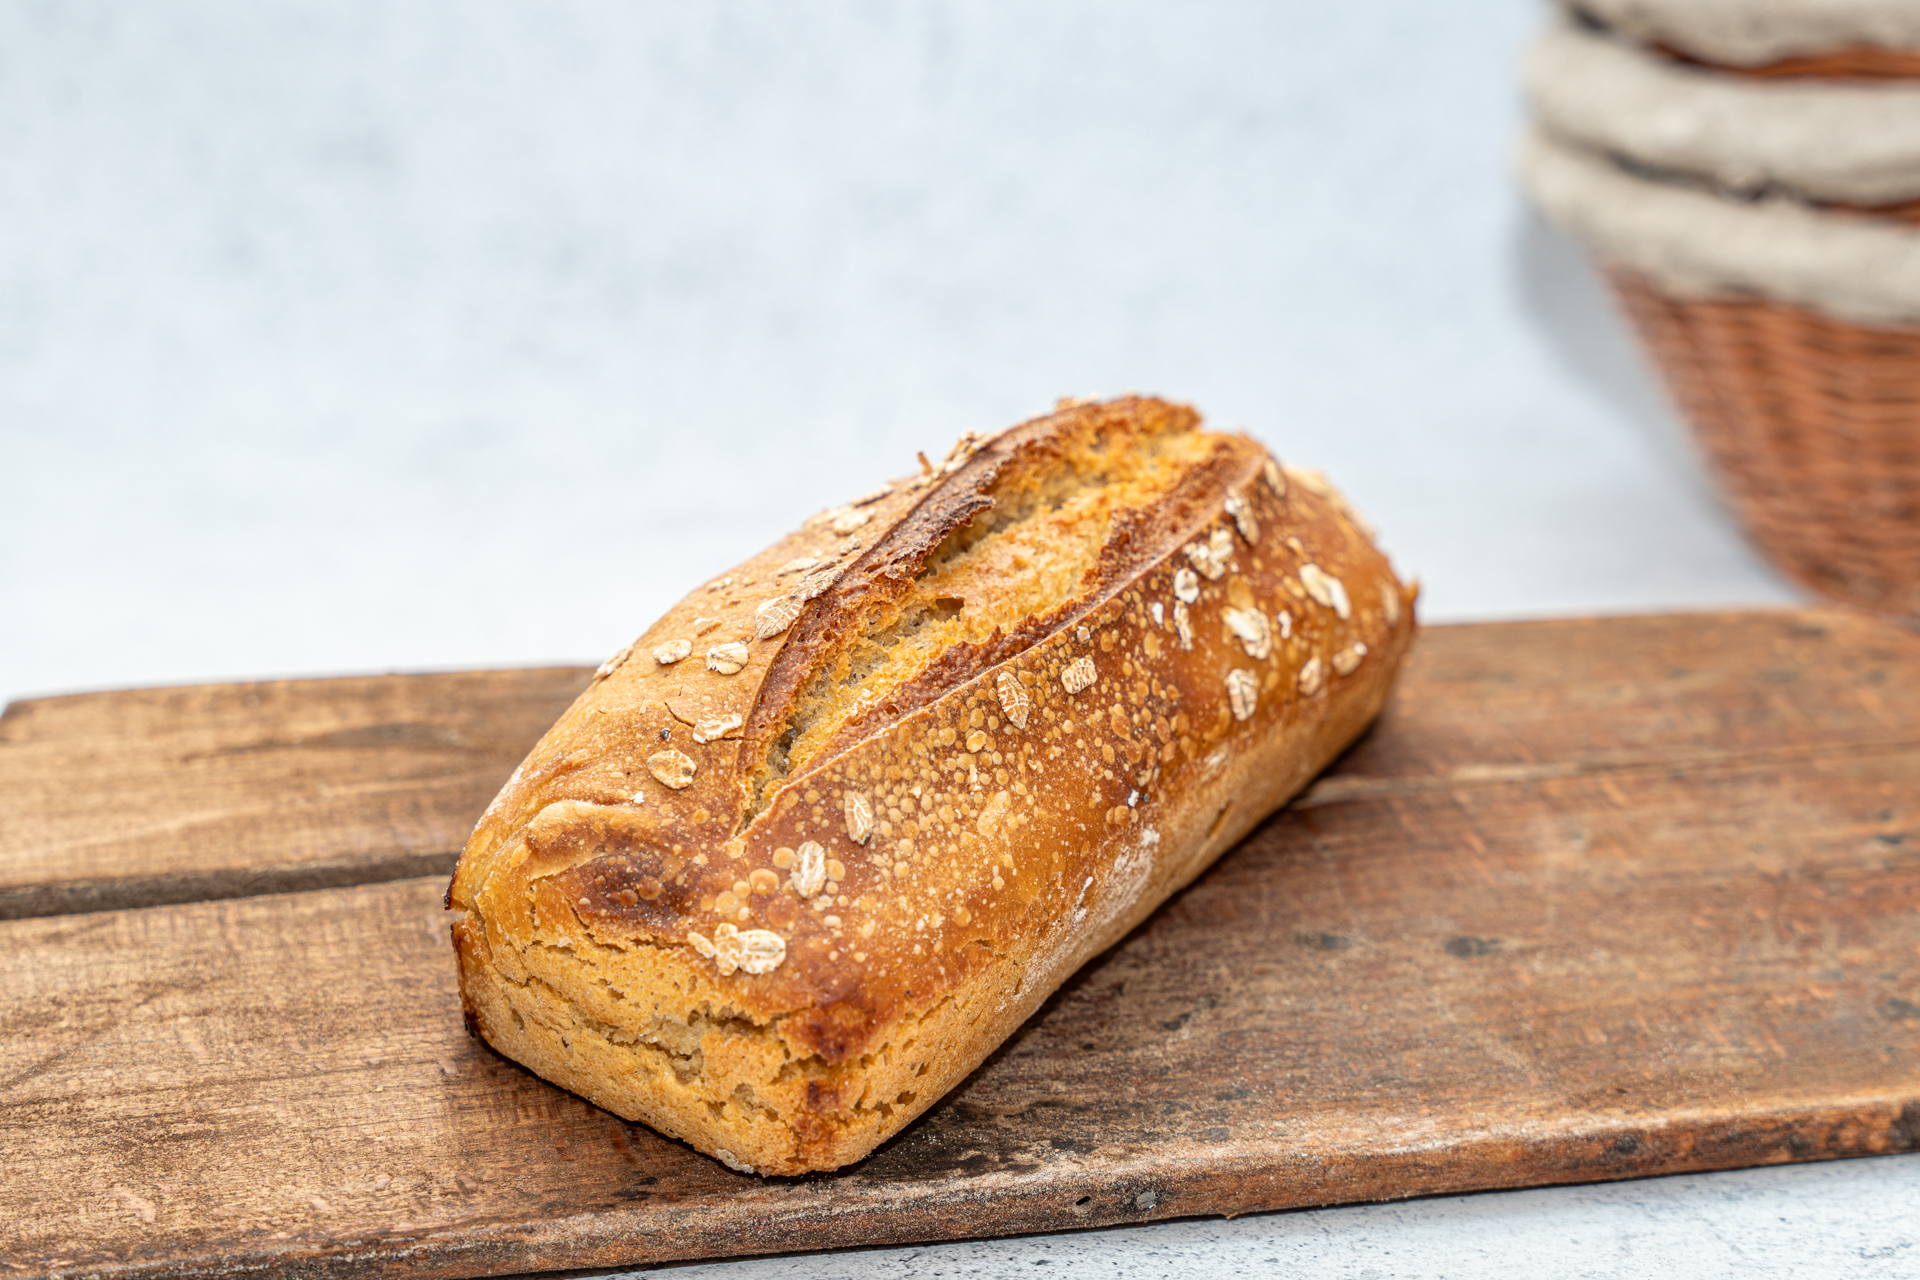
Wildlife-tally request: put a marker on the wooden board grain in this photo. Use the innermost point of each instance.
(1596, 900)
(217, 791)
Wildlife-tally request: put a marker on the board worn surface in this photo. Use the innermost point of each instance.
(218, 791)
(1595, 900)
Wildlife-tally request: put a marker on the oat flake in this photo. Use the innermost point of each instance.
(752, 950)
(1310, 480)
(1243, 693)
(1014, 701)
(1211, 557)
(713, 728)
(1182, 625)
(847, 519)
(859, 816)
(773, 616)
(1249, 626)
(1243, 519)
(810, 869)
(727, 658)
(799, 564)
(1326, 589)
(672, 768)
(613, 664)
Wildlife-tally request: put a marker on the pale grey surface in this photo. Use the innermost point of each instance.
(347, 336)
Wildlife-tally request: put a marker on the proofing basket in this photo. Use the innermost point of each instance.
(1812, 426)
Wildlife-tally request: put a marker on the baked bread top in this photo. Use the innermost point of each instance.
(936, 731)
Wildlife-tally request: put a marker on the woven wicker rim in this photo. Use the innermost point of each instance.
(1766, 34)
(1857, 62)
(1861, 268)
(1838, 141)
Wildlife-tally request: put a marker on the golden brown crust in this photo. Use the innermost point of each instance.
(862, 888)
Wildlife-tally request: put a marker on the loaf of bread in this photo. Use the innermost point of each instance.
(817, 842)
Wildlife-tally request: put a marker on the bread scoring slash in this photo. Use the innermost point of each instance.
(815, 844)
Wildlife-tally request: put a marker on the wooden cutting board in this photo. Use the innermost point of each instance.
(1597, 899)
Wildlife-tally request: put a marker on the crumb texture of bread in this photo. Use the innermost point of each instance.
(809, 849)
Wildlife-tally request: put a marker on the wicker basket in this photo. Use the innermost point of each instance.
(1813, 426)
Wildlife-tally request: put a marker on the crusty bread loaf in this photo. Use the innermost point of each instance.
(818, 841)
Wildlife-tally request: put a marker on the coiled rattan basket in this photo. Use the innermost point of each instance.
(1812, 426)
(1811, 423)
(1809, 419)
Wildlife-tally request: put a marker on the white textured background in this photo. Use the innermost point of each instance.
(354, 336)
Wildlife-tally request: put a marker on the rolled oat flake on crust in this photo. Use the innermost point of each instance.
(1249, 626)
(810, 869)
(1243, 693)
(942, 744)
(774, 616)
(1243, 518)
(1014, 701)
(859, 815)
(1326, 589)
(727, 659)
(712, 728)
(1213, 556)
(755, 950)
(672, 768)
